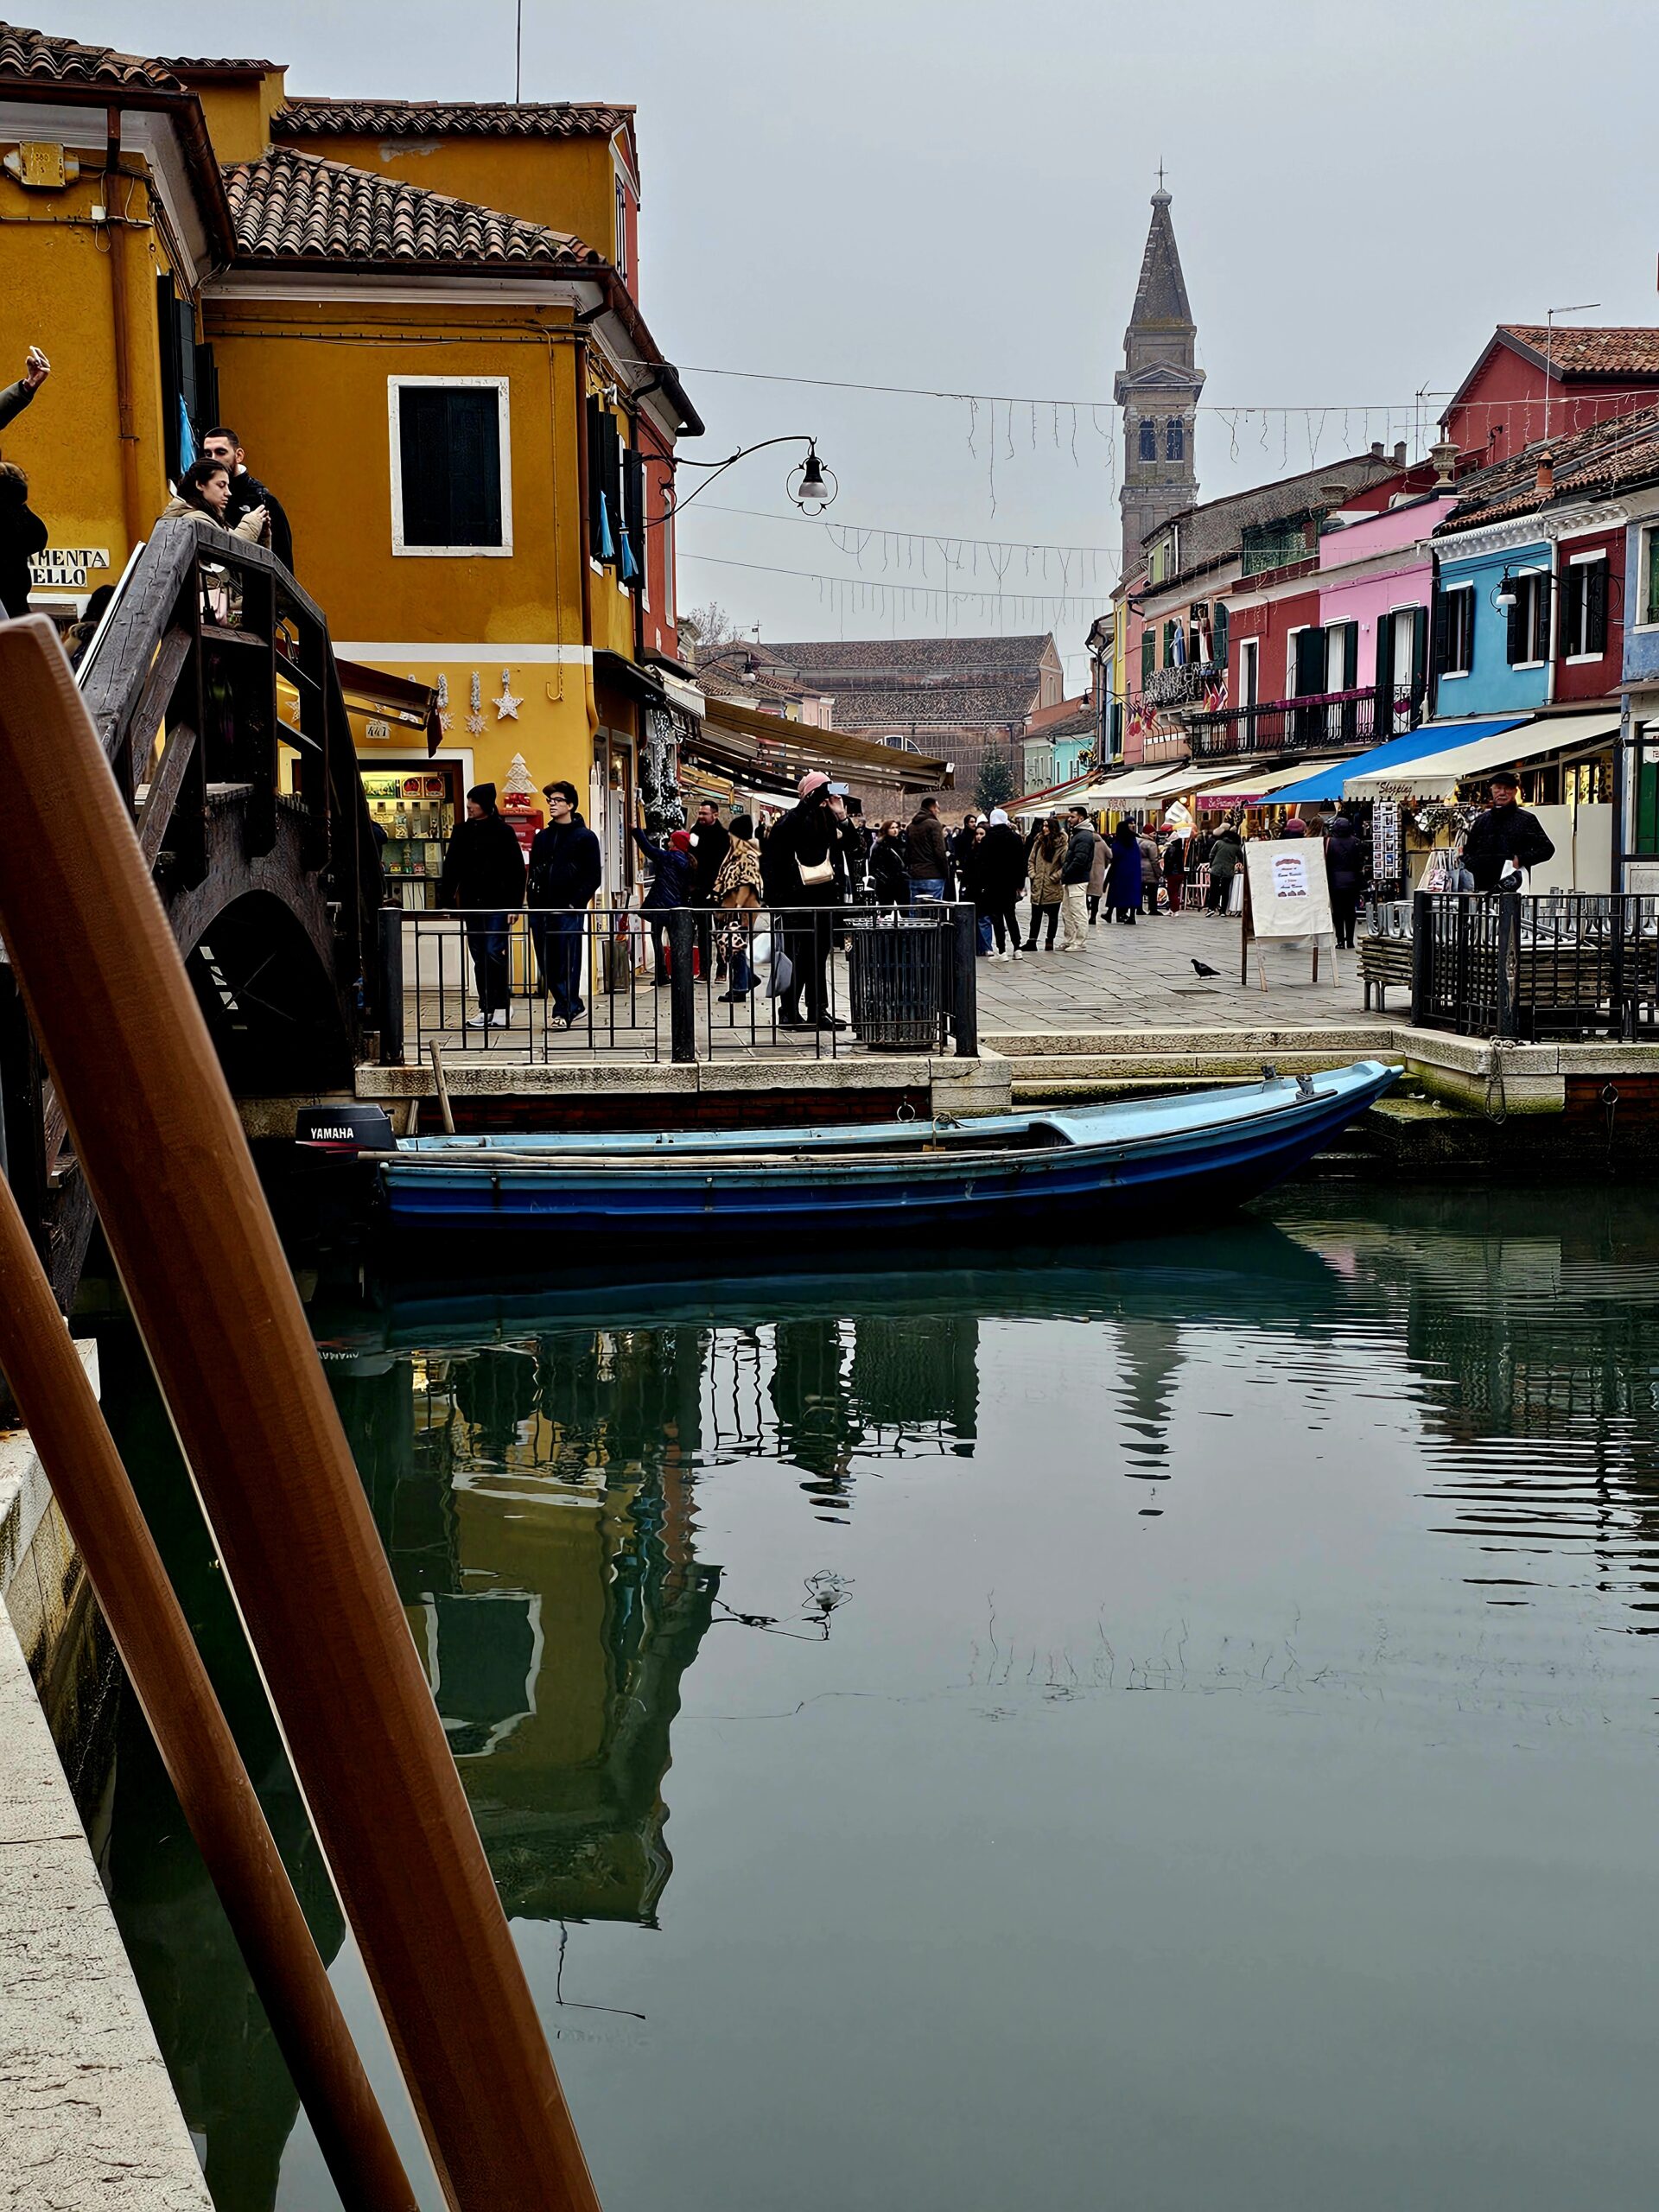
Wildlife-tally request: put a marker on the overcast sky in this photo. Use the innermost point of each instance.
(954, 194)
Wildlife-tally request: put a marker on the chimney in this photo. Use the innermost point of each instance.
(1376, 448)
(1546, 472)
(1400, 454)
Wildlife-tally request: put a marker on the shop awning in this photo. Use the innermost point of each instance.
(1437, 775)
(1142, 785)
(1261, 789)
(1328, 781)
(770, 750)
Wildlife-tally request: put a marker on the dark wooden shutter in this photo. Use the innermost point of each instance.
(449, 447)
(1419, 649)
(1442, 631)
(1218, 634)
(1515, 643)
(636, 515)
(1386, 678)
(1350, 655)
(1595, 575)
(1540, 625)
(1310, 660)
(166, 330)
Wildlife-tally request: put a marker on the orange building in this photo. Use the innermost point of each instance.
(421, 320)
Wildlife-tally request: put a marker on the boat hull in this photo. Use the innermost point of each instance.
(1114, 1170)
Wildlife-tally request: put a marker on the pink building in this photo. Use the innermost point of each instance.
(1375, 587)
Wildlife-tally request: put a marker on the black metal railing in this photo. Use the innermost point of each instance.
(687, 985)
(1560, 963)
(1317, 722)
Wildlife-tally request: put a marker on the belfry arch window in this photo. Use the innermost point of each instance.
(1175, 438)
(1148, 438)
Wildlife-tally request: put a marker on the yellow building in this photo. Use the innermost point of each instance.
(419, 319)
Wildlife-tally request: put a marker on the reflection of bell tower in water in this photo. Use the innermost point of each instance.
(1157, 389)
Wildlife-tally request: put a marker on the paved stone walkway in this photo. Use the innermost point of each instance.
(1143, 977)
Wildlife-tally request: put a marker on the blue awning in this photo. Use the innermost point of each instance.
(1416, 744)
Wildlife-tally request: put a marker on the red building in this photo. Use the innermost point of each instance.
(1532, 381)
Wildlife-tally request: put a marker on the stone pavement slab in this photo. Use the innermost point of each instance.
(1142, 976)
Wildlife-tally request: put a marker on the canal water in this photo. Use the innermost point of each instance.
(1165, 1726)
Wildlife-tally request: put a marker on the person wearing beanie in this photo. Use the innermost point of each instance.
(483, 880)
(804, 867)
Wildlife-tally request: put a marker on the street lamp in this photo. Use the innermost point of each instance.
(809, 484)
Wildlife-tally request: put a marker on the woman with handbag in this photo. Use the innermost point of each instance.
(803, 873)
(737, 889)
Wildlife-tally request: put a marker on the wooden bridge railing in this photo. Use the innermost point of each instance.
(182, 683)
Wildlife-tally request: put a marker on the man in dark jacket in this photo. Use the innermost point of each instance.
(1074, 876)
(247, 492)
(927, 858)
(483, 879)
(1505, 837)
(804, 869)
(565, 871)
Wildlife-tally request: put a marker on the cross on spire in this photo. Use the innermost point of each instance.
(1160, 176)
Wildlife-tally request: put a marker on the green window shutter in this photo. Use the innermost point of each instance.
(1349, 656)
(1595, 612)
(1651, 596)
(1419, 649)
(1386, 678)
(1515, 644)
(1218, 635)
(1148, 656)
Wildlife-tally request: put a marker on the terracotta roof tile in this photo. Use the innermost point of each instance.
(44, 61)
(185, 65)
(1613, 455)
(1627, 350)
(295, 208)
(308, 118)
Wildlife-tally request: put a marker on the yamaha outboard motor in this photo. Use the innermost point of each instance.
(345, 1130)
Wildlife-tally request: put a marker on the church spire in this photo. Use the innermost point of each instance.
(1157, 389)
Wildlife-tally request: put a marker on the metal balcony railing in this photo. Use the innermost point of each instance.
(1319, 722)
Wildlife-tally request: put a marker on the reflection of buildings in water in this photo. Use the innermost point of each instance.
(881, 1387)
(1529, 1324)
(537, 1510)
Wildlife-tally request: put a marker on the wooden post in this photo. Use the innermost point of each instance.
(158, 1139)
(171, 1684)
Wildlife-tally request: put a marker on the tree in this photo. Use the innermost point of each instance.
(994, 786)
(709, 626)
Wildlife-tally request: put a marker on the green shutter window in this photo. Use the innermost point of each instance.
(1218, 635)
(1148, 656)
(1651, 596)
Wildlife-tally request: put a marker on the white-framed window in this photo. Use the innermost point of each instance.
(1584, 607)
(1456, 641)
(451, 467)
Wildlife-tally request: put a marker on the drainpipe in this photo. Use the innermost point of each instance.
(128, 434)
(584, 548)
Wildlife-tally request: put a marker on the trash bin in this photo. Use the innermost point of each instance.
(896, 974)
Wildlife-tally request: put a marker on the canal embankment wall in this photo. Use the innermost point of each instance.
(90, 2116)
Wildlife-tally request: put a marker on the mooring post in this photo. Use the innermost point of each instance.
(682, 987)
(391, 987)
(965, 985)
(91, 1486)
(157, 1137)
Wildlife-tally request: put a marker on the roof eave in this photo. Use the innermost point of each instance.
(183, 107)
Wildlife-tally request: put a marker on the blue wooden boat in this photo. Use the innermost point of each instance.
(1086, 1172)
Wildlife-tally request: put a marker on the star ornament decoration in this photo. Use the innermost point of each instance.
(506, 707)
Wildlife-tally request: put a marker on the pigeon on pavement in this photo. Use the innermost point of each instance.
(1199, 967)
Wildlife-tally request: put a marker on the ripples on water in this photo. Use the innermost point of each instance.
(1168, 1725)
